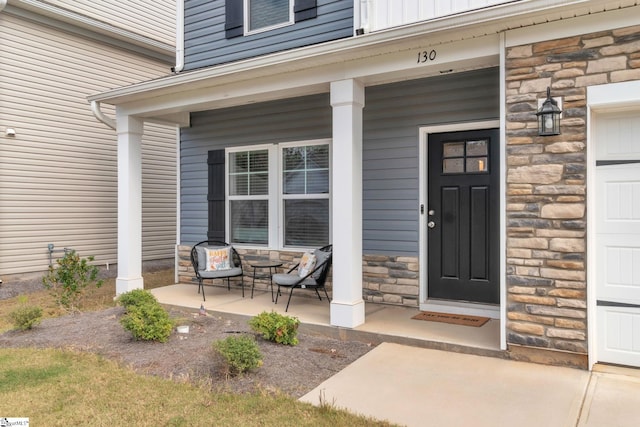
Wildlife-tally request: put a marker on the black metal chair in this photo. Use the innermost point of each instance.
(314, 279)
(220, 271)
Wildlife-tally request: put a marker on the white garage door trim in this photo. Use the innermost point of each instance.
(617, 97)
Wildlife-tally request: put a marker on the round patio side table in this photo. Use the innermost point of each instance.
(271, 265)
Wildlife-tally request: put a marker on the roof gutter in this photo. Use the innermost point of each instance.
(95, 108)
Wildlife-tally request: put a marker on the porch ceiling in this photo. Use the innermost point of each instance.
(374, 58)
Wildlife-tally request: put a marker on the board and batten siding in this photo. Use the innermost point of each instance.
(382, 14)
(155, 19)
(393, 114)
(295, 119)
(58, 175)
(206, 45)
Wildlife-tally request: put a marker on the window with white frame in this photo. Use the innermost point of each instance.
(265, 14)
(279, 196)
(249, 196)
(305, 194)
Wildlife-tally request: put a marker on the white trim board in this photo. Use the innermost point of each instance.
(455, 307)
(602, 98)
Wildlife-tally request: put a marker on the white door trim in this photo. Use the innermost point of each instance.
(608, 97)
(444, 306)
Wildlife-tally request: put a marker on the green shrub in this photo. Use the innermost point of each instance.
(136, 297)
(240, 353)
(68, 281)
(148, 321)
(26, 317)
(276, 327)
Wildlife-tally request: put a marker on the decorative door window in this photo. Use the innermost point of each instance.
(462, 157)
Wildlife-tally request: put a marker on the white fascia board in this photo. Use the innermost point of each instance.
(206, 95)
(591, 23)
(29, 8)
(219, 83)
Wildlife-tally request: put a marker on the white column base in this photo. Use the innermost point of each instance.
(125, 285)
(347, 315)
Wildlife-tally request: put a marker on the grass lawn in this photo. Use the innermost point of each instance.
(60, 388)
(95, 299)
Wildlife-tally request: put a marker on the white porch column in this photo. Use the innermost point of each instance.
(129, 131)
(347, 100)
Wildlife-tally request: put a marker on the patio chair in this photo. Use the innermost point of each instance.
(310, 273)
(212, 259)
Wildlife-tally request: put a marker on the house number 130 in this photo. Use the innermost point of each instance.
(425, 56)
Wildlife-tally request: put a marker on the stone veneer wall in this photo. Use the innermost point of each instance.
(386, 279)
(390, 279)
(288, 259)
(546, 183)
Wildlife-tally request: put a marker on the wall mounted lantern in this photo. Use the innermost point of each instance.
(549, 116)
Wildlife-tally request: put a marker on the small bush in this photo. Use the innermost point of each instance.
(240, 353)
(136, 297)
(276, 327)
(68, 282)
(148, 321)
(26, 317)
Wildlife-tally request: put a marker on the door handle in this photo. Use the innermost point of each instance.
(431, 224)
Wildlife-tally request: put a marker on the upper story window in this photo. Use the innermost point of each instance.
(244, 17)
(267, 14)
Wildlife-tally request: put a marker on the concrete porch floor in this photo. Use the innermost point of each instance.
(383, 323)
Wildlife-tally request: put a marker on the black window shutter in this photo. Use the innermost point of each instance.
(305, 9)
(234, 18)
(215, 196)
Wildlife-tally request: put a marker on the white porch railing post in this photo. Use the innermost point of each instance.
(129, 131)
(347, 100)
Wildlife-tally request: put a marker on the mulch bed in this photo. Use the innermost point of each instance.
(294, 370)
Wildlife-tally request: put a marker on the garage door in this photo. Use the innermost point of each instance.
(617, 258)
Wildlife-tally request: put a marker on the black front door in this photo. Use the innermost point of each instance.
(462, 216)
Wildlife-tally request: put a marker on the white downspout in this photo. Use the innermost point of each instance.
(361, 9)
(179, 66)
(179, 36)
(178, 209)
(95, 108)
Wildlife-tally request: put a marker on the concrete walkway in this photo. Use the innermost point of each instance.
(415, 386)
(423, 387)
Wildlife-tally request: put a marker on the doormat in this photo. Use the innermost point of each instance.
(455, 319)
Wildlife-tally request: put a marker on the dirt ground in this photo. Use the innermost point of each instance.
(294, 370)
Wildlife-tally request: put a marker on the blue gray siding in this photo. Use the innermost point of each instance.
(392, 117)
(206, 45)
(295, 119)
